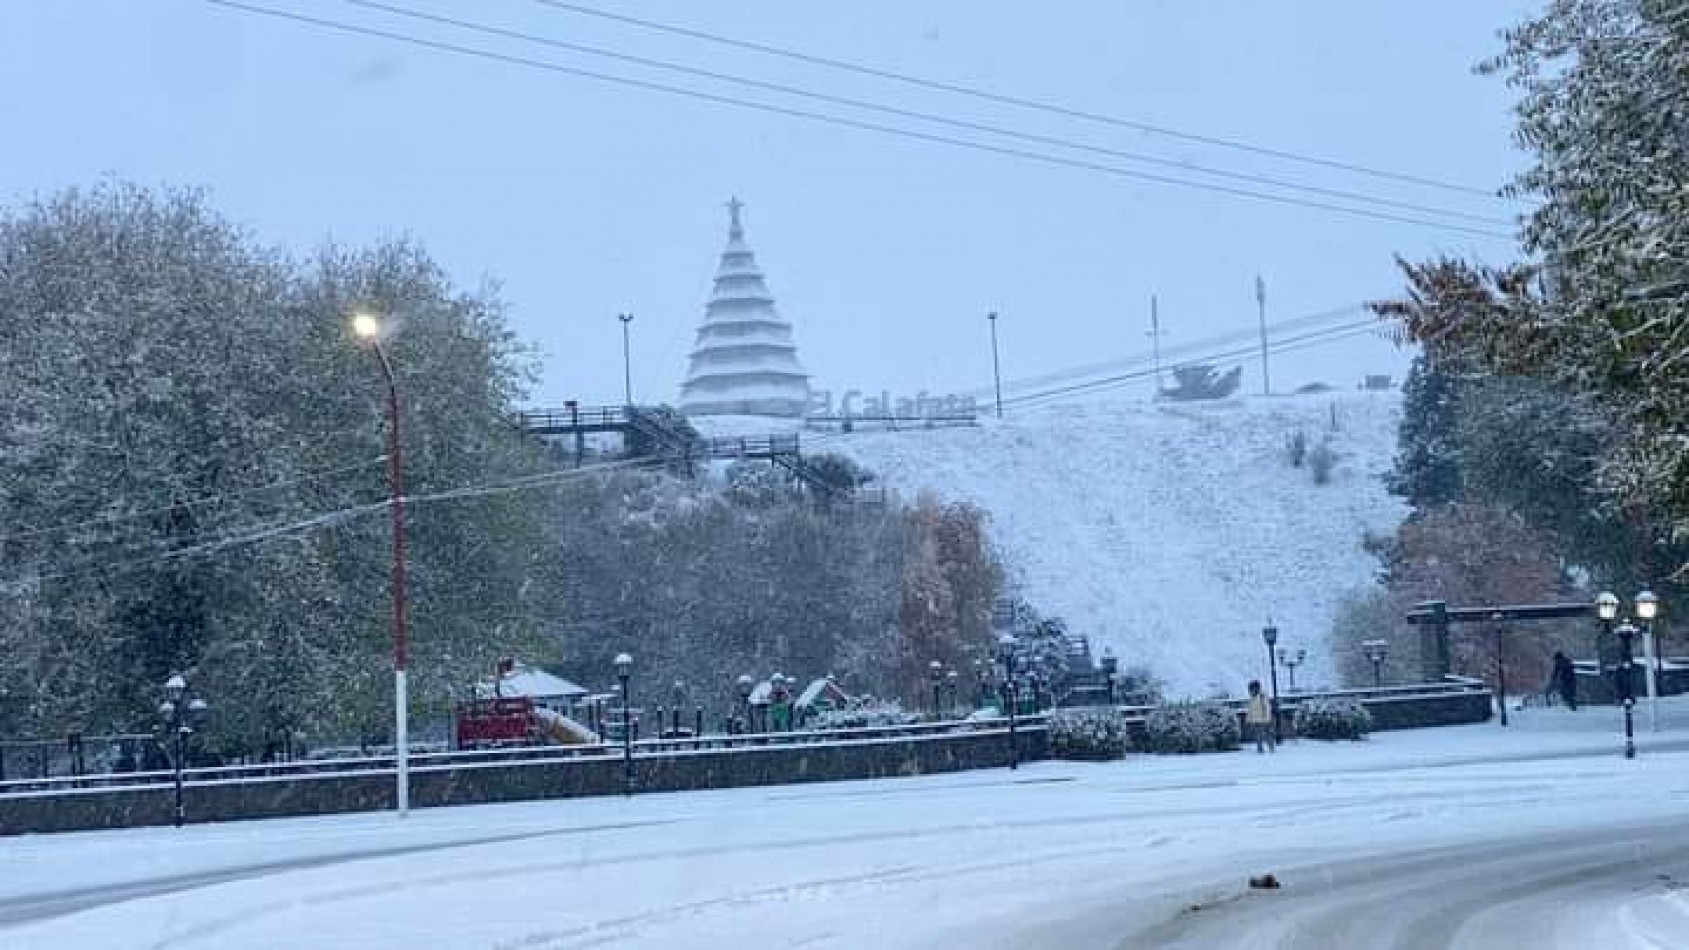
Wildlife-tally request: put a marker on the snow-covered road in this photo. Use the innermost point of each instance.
(1469, 836)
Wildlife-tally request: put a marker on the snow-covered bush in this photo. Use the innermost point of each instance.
(1192, 727)
(1087, 733)
(862, 713)
(1332, 719)
(1296, 448)
(1321, 461)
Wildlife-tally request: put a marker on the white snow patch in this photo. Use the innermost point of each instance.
(1171, 532)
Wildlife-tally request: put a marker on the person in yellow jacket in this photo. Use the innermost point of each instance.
(1259, 718)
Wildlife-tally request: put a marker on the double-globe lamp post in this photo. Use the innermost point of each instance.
(1291, 660)
(180, 715)
(370, 331)
(1624, 688)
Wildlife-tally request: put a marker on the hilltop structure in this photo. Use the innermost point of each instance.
(744, 361)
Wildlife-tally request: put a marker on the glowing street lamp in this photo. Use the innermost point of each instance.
(369, 330)
(1647, 608)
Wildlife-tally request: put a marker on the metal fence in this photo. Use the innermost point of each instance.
(429, 761)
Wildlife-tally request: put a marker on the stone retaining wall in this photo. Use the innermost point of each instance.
(433, 786)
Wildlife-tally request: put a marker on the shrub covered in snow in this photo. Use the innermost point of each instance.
(1321, 461)
(1192, 727)
(1332, 719)
(863, 713)
(1087, 733)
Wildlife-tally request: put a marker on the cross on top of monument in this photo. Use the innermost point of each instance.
(733, 206)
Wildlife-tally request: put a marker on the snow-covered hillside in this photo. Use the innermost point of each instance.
(1170, 532)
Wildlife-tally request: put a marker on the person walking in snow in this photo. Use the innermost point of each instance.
(1566, 680)
(1259, 718)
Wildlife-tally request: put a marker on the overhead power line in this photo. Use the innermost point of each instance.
(929, 117)
(1314, 338)
(912, 134)
(1021, 102)
(1193, 346)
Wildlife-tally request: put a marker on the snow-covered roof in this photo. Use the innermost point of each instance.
(816, 689)
(538, 684)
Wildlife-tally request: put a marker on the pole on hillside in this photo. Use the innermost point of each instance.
(1155, 340)
(1261, 310)
(996, 365)
(627, 360)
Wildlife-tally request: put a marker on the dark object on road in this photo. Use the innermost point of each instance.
(1265, 882)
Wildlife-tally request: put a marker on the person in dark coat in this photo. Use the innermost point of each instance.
(1565, 680)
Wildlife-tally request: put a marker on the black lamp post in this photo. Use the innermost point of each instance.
(952, 679)
(1376, 651)
(1006, 656)
(180, 714)
(1111, 667)
(674, 715)
(1647, 608)
(624, 669)
(1269, 635)
(935, 670)
(1291, 661)
(745, 685)
(1627, 694)
(982, 688)
(1607, 609)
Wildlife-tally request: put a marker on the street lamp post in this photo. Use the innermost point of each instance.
(996, 365)
(1111, 667)
(1269, 636)
(180, 714)
(951, 679)
(1376, 651)
(627, 359)
(1647, 608)
(745, 685)
(1627, 695)
(935, 670)
(1006, 656)
(624, 669)
(1607, 610)
(369, 329)
(1291, 660)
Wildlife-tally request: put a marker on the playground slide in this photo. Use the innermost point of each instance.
(562, 730)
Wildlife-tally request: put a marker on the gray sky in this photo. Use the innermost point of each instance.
(586, 199)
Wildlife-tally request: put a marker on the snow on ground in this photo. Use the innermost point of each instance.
(1151, 851)
(1170, 531)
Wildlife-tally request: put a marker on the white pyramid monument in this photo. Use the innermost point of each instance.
(744, 361)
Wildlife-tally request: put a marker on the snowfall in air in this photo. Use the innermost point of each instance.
(1540, 835)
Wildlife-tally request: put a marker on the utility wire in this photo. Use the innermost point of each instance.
(1142, 358)
(1018, 101)
(934, 138)
(929, 117)
(1372, 324)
